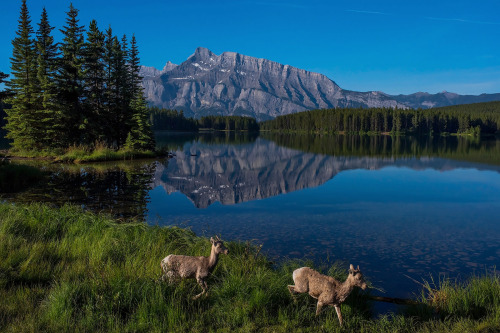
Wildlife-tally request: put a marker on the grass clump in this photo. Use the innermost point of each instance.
(98, 152)
(101, 152)
(69, 270)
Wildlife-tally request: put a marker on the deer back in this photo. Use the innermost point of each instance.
(186, 266)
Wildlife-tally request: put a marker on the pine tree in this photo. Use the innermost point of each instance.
(135, 67)
(21, 118)
(94, 77)
(3, 95)
(70, 78)
(118, 81)
(141, 134)
(125, 90)
(48, 113)
(108, 94)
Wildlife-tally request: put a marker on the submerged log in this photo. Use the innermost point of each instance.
(403, 301)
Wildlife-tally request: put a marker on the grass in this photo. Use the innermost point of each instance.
(85, 154)
(99, 153)
(68, 270)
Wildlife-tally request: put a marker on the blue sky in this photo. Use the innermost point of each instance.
(391, 46)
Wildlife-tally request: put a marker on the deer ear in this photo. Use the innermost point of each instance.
(357, 268)
(212, 240)
(351, 267)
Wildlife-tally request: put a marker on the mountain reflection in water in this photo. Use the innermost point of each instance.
(231, 174)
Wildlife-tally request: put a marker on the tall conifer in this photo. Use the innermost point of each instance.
(109, 100)
(48, 112)
(94, 78)
(70, 77)
(3, 95)
(135, 67)
(118, 78)
(141, 134)
(22, 122)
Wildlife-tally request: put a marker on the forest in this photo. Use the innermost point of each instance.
(82, 91)
(476, 119)
(164, 119)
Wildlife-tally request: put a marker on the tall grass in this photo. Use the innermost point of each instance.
(97, 152)
(101, 152)
(69, 270)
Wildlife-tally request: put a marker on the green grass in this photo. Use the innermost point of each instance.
(81, 154)
(69, 270)
(84, 154)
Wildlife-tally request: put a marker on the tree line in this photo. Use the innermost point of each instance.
(82, 90)
(164, 119)
(468, 119)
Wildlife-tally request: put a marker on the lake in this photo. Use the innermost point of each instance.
(399, 207)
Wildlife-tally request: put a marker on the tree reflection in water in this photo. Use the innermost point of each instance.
(120, 189)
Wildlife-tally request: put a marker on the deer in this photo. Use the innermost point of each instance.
(175, 267)
(326, 289)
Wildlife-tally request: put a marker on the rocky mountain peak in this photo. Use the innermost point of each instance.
(168, 66)
(236, 84)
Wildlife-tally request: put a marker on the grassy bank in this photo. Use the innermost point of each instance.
(83, 154)
(69, 270)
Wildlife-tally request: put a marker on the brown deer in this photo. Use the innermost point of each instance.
(176, 267)
(326, 289)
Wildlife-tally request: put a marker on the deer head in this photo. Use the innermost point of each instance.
(218, 245)
(356, 277)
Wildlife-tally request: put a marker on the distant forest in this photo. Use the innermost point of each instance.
(474, 119)
(164, 119)
(480, 118)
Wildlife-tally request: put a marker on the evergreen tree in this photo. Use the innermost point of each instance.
(21, 118)
(48, 113)
(118, 77)
(125, 89)
(141, 134)
(109, 99)
(135, 67)
(94, 77)
(3, 95)
(70, 78)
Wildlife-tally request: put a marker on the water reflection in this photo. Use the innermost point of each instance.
(231, 174)
(121, 189)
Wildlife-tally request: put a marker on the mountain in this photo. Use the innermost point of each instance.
(236, 84)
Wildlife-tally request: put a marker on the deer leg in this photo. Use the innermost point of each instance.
(203, 285)
(318, 309)
(292, 291)
(337, 308)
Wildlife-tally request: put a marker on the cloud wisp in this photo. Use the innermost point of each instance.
(460, 20)
(447, 19)
(366, 12)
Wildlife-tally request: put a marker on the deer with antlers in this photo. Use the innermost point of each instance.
(176, 267)
(326, 289)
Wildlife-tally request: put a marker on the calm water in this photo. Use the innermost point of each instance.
(394, 207)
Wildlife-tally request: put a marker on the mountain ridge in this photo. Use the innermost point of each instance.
(236, 84)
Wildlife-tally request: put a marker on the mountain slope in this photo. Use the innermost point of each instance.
(235, 84)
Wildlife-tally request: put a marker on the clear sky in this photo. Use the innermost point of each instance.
(394, 46)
